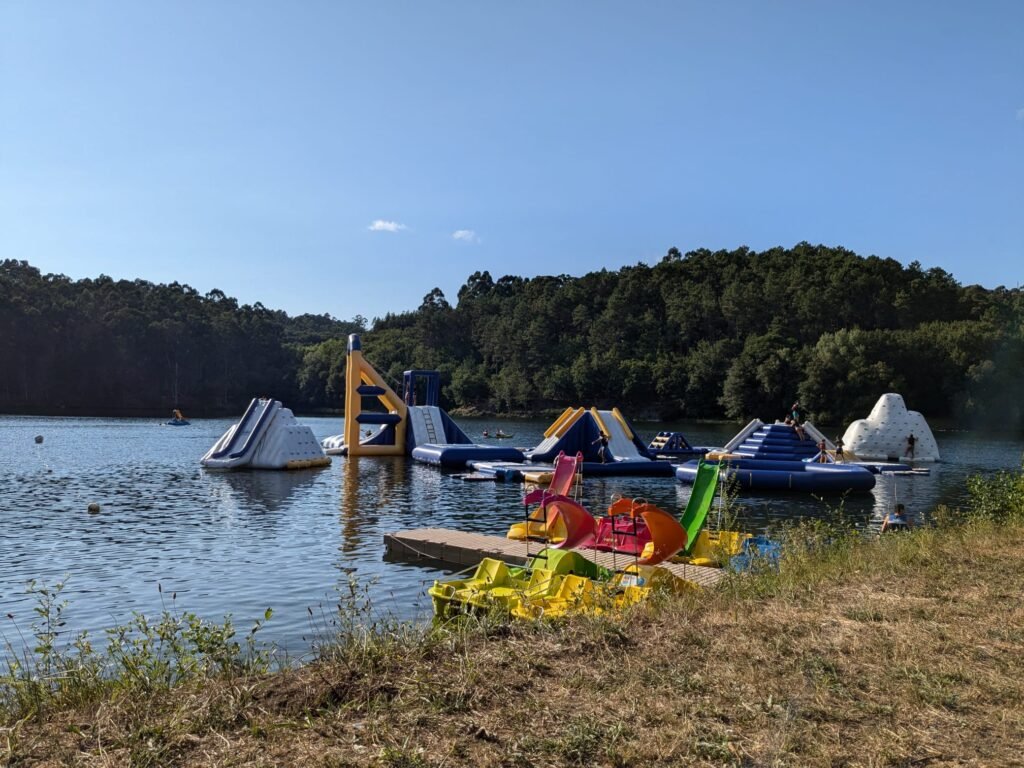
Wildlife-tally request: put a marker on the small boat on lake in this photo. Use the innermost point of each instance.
(495, 585)
(177, 420)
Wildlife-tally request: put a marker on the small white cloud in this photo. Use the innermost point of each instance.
(1020, 114)
(382, 225)
(465, 235)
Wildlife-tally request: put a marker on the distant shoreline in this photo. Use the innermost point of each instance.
(460, 412)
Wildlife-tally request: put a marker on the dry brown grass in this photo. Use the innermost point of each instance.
(903, 652)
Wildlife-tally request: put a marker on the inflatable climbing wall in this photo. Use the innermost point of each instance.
(883, 434)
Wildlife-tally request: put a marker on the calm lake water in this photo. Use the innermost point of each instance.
(242, 542)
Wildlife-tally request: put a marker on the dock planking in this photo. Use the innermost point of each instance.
(467, 549)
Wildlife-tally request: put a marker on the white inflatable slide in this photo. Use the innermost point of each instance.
(266, 437)
(620, 444)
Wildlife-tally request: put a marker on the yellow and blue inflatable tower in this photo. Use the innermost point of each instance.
(362, 380)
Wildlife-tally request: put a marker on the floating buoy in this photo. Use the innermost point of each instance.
(39, 439)
(94, 508)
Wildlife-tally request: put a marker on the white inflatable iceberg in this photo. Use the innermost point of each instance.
(266, 437)
(885, 433)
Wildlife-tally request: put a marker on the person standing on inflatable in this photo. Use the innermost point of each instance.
(911, 442)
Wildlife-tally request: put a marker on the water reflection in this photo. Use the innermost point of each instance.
(369, 485)
(262, 490)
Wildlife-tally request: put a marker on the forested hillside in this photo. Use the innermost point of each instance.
(703, 334)
(104, 346)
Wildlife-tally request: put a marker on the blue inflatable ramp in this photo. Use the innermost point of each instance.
(434, 438)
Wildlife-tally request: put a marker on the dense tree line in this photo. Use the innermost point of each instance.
(726, 333)
(106, 346)
(703, 334)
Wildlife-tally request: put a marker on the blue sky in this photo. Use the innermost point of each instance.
(348, 157)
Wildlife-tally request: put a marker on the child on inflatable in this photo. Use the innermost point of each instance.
(897, 520)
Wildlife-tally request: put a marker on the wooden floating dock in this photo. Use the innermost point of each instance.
(464, 548)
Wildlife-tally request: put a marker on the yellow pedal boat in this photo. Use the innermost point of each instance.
(576, 594)
(714, 548)
(497, 586)
(556, 583)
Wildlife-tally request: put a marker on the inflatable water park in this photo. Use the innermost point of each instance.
(646, 544)
(798, 457)
(582, 561)
(605, 441)
(379, 422)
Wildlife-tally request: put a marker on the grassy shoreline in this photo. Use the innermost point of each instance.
(904, 650)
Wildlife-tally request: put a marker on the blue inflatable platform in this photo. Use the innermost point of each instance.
(460, 454)
(774, 458)
(628, 468)
(761, 475)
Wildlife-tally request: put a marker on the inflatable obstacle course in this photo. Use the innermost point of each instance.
(580, 430)
(385, 428)
(774, 458)
(411, 425)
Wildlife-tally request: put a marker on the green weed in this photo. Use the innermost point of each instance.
(140, 656)
(998, 497)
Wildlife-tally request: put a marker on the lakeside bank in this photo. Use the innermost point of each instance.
(899, 650)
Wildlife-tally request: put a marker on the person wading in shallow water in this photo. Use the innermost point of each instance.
(897, 520)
